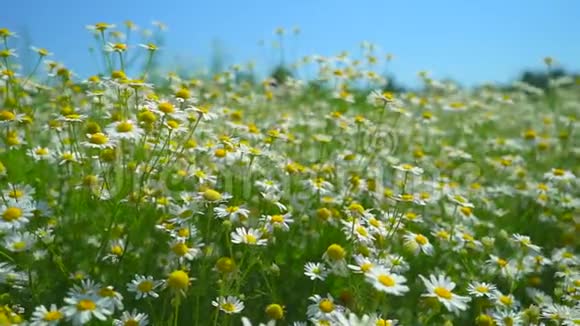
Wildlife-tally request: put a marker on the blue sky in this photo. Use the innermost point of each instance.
(470, 41)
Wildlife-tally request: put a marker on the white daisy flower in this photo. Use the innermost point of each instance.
(233, 213)
(481, 289)
(250, 237)
(385, 281)
(229, 305)
(15, 215)
(144, 286)
(441, 287)
(133, 318)
(315, 271)
(323, 307)
(126, 129)
(80, 309)
(417, 243)
(278, 221)
(46, 317)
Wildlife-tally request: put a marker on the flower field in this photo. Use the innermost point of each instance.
(129, 199)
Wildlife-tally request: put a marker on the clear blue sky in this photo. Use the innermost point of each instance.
(471, 41)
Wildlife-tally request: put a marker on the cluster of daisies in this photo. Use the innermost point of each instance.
(161, 199)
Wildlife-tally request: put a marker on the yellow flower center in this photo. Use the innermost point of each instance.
(374, 222)
(19, 245)
(362, 231)
(52, 316)
(386, 280)
(229, 307)
(335, 252)
(250, 239)
(366, 267)
(117, 250)
(324, 213)
(383, 322)
(12, 214)
(211, 195)
(145, 286)
(443, 234)
(131, 322)
(468, 237)
(558, 172)
(98, 138)
(41, 151)
(407, 167)
(356, 208)
(107, 292)
(180, 249)
(178, 280)
(220, 152)
(277, 219)
(506, 300)
(7, 116)
(225, 265)
(466, 211)
(502, 262)
(326, 306)
(421, 239)
(124, 126)
(232, 209)
(407, 197)
(166, 107)
(410, 216)
(15, 193)
(275, 311)
(85, 305)
(443, 293)
(183, 232)
(482, 289)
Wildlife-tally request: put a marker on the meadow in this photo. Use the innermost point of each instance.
(133, 199)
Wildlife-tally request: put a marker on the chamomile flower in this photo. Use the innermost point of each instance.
(15, 215)
(252, 237)
(80, 309)
(335, 256)
(278, 221)
(323, 307)
(98, 140)
(124, 130)
(525, 242)
(481, 289)
(43, 316)
(441, 287)
(408, 168)
(417, 242)
(561, 314)
(233, 213)
(507, 318)
(182, 251)
(144, 286)
(229, 305)
(363, 264)
(396, 263)
(459, 200)
(110, 298)
(19, 242)
(385, 281)
(505, 300)
(557, 174)
(133, 318)
(41, 153)
(315, 271)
